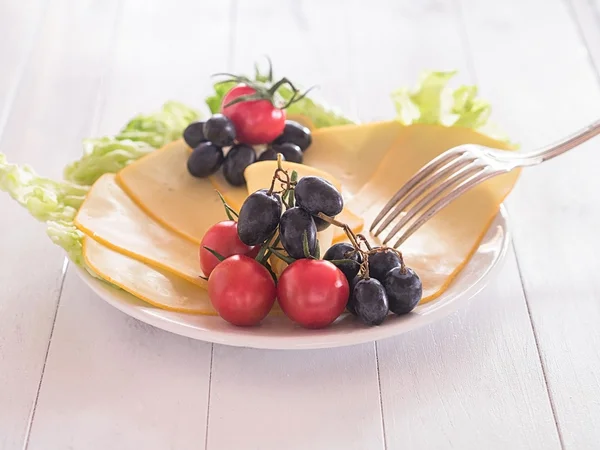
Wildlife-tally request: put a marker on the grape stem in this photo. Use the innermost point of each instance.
(286, 183)
(356, 240)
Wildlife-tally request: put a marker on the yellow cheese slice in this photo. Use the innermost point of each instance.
(302, 120)
(233, 195)
(356, 224)
(352, 153)
(156, 287)
(441, 248)
(110, 217)
(160, 184)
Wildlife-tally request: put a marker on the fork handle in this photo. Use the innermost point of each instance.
(562, 146)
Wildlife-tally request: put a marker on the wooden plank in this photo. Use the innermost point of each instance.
(165, 52)
(114, 382)
(587, 15)
(141, 387)
(320, 399)
(44, 113)
(309, 399)
(310, 48)
(544, 87)
(470, 380)
(393, 42)
(20, 24)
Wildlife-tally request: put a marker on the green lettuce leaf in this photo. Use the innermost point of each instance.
(433, 102)
(66, 235)
(104, 155)
(472, 112)
(44, 198)
(215, 100)
(159, 128)
(320, 115)
(53, 202)
(140, 136)
(56, 202)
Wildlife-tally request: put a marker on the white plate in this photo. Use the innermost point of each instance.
(280, 333)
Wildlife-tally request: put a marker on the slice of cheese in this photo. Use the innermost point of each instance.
(352, 153)
(110, 217)
(302, 120)
(154, 286)
(161, 185)
(441, 248)
(234, 195)
(356, 224)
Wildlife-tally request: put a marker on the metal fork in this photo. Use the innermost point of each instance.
(454, 172)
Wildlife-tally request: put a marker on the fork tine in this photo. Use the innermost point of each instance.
(445, 201)
(466, 172)
(444, 158)
(454, 166)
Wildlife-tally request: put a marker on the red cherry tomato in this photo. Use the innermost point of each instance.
(223, 238)
(255, 121)
(241, 290)
(313, 293)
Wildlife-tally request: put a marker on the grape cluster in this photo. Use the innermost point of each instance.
(384, 284)
(215, 146)
(261, 214)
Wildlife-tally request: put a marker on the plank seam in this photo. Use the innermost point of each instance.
(210, 370)
(39, 387)
(537, 346)
(463, 35)
(12, 93)
(100, 102)
(583, 34)
(383, 429)
(232, 34)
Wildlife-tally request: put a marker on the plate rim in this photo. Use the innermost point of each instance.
(400, 326)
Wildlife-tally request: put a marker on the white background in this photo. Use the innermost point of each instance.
(519, 368)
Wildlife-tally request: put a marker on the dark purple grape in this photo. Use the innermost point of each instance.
(295, 222)
(268, 155)
(350, 304)
(321, 224)
(220, 130)
(381, 263)
(259, 217)
(317, 195)
(193, 135)
(205, 160)
(343, 250)
(239, 157)
(370, 301)
(291, 152)
(404, 290)
(295, 133)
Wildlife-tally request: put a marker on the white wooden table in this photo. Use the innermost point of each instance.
(517, 369)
